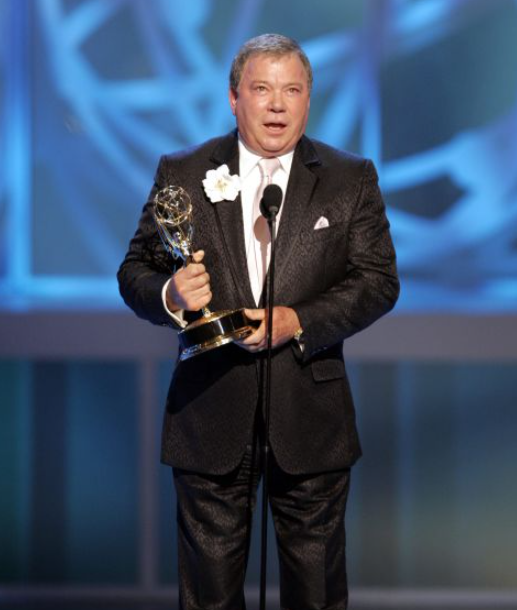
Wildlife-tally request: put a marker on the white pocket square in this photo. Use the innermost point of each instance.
(321, 223)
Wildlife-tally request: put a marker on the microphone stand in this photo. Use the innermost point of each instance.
(271, 220)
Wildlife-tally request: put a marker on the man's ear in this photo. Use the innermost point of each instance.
(232, 96)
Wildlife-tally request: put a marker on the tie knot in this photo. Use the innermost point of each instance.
(268, 167)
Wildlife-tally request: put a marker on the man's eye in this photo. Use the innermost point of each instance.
(294, 90)
(260, 88)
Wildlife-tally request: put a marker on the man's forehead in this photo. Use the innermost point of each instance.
(257, 61)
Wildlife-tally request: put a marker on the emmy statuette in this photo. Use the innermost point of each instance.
(172, 213)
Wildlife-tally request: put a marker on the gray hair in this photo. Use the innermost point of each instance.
(270, 44)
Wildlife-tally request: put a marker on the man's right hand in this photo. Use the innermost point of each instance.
(189, 288)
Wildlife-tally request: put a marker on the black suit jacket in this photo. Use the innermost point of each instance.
(339, 279)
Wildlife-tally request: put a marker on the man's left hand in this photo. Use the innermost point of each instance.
(285, 325)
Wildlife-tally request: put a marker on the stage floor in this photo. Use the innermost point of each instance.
(251, 605)
(20, 598)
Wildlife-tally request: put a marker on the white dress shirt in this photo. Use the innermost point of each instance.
(251, 179)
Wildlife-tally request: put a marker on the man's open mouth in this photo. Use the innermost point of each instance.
(275, 126)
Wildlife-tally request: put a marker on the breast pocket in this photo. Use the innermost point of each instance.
(323, 235)
(327, 251)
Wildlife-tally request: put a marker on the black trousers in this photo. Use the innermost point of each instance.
(214, 516)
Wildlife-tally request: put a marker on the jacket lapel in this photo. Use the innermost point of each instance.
(230, 223)
(300, 188)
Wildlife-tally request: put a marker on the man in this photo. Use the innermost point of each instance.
(335, 275)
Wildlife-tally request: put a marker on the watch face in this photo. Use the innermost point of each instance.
(298, 339)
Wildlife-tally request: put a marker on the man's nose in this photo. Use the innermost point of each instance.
(276, 102)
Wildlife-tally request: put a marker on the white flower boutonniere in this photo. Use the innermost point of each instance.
(219, 185)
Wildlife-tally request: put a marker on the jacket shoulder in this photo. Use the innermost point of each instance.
(185, 163)
(330, 155)
(192, 153)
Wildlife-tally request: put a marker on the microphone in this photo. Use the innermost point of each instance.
(269, 206)
(271, 201)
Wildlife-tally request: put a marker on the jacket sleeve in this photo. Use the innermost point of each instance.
(369, 287)
(147, 265)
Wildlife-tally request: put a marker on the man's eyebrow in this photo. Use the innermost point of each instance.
(259, 81)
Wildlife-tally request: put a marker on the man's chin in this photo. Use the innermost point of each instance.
(270, 146)
(277, 146)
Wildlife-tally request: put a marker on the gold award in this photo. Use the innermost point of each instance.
(172, 213)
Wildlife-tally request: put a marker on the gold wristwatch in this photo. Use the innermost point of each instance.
(298, 337)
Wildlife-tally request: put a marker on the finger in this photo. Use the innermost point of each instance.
(198, 299)
(256, 337)
(187, 289)
(201, 293)
(253, 348)
(259, 347)
(198, 303)
(194, 269)
(245, 347)
(196, 282)
(204, 301)
(190, 271)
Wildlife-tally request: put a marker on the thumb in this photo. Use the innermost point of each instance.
(255, 314)
(198, 256)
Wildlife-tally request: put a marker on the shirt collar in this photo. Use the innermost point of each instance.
(248, 160)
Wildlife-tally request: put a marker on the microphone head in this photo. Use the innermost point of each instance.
(271, 201)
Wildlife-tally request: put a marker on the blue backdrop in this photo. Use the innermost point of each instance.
(94, 92)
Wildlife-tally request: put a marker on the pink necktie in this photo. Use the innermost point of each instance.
(260, 228)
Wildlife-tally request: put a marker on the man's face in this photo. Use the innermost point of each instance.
(272, 103)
